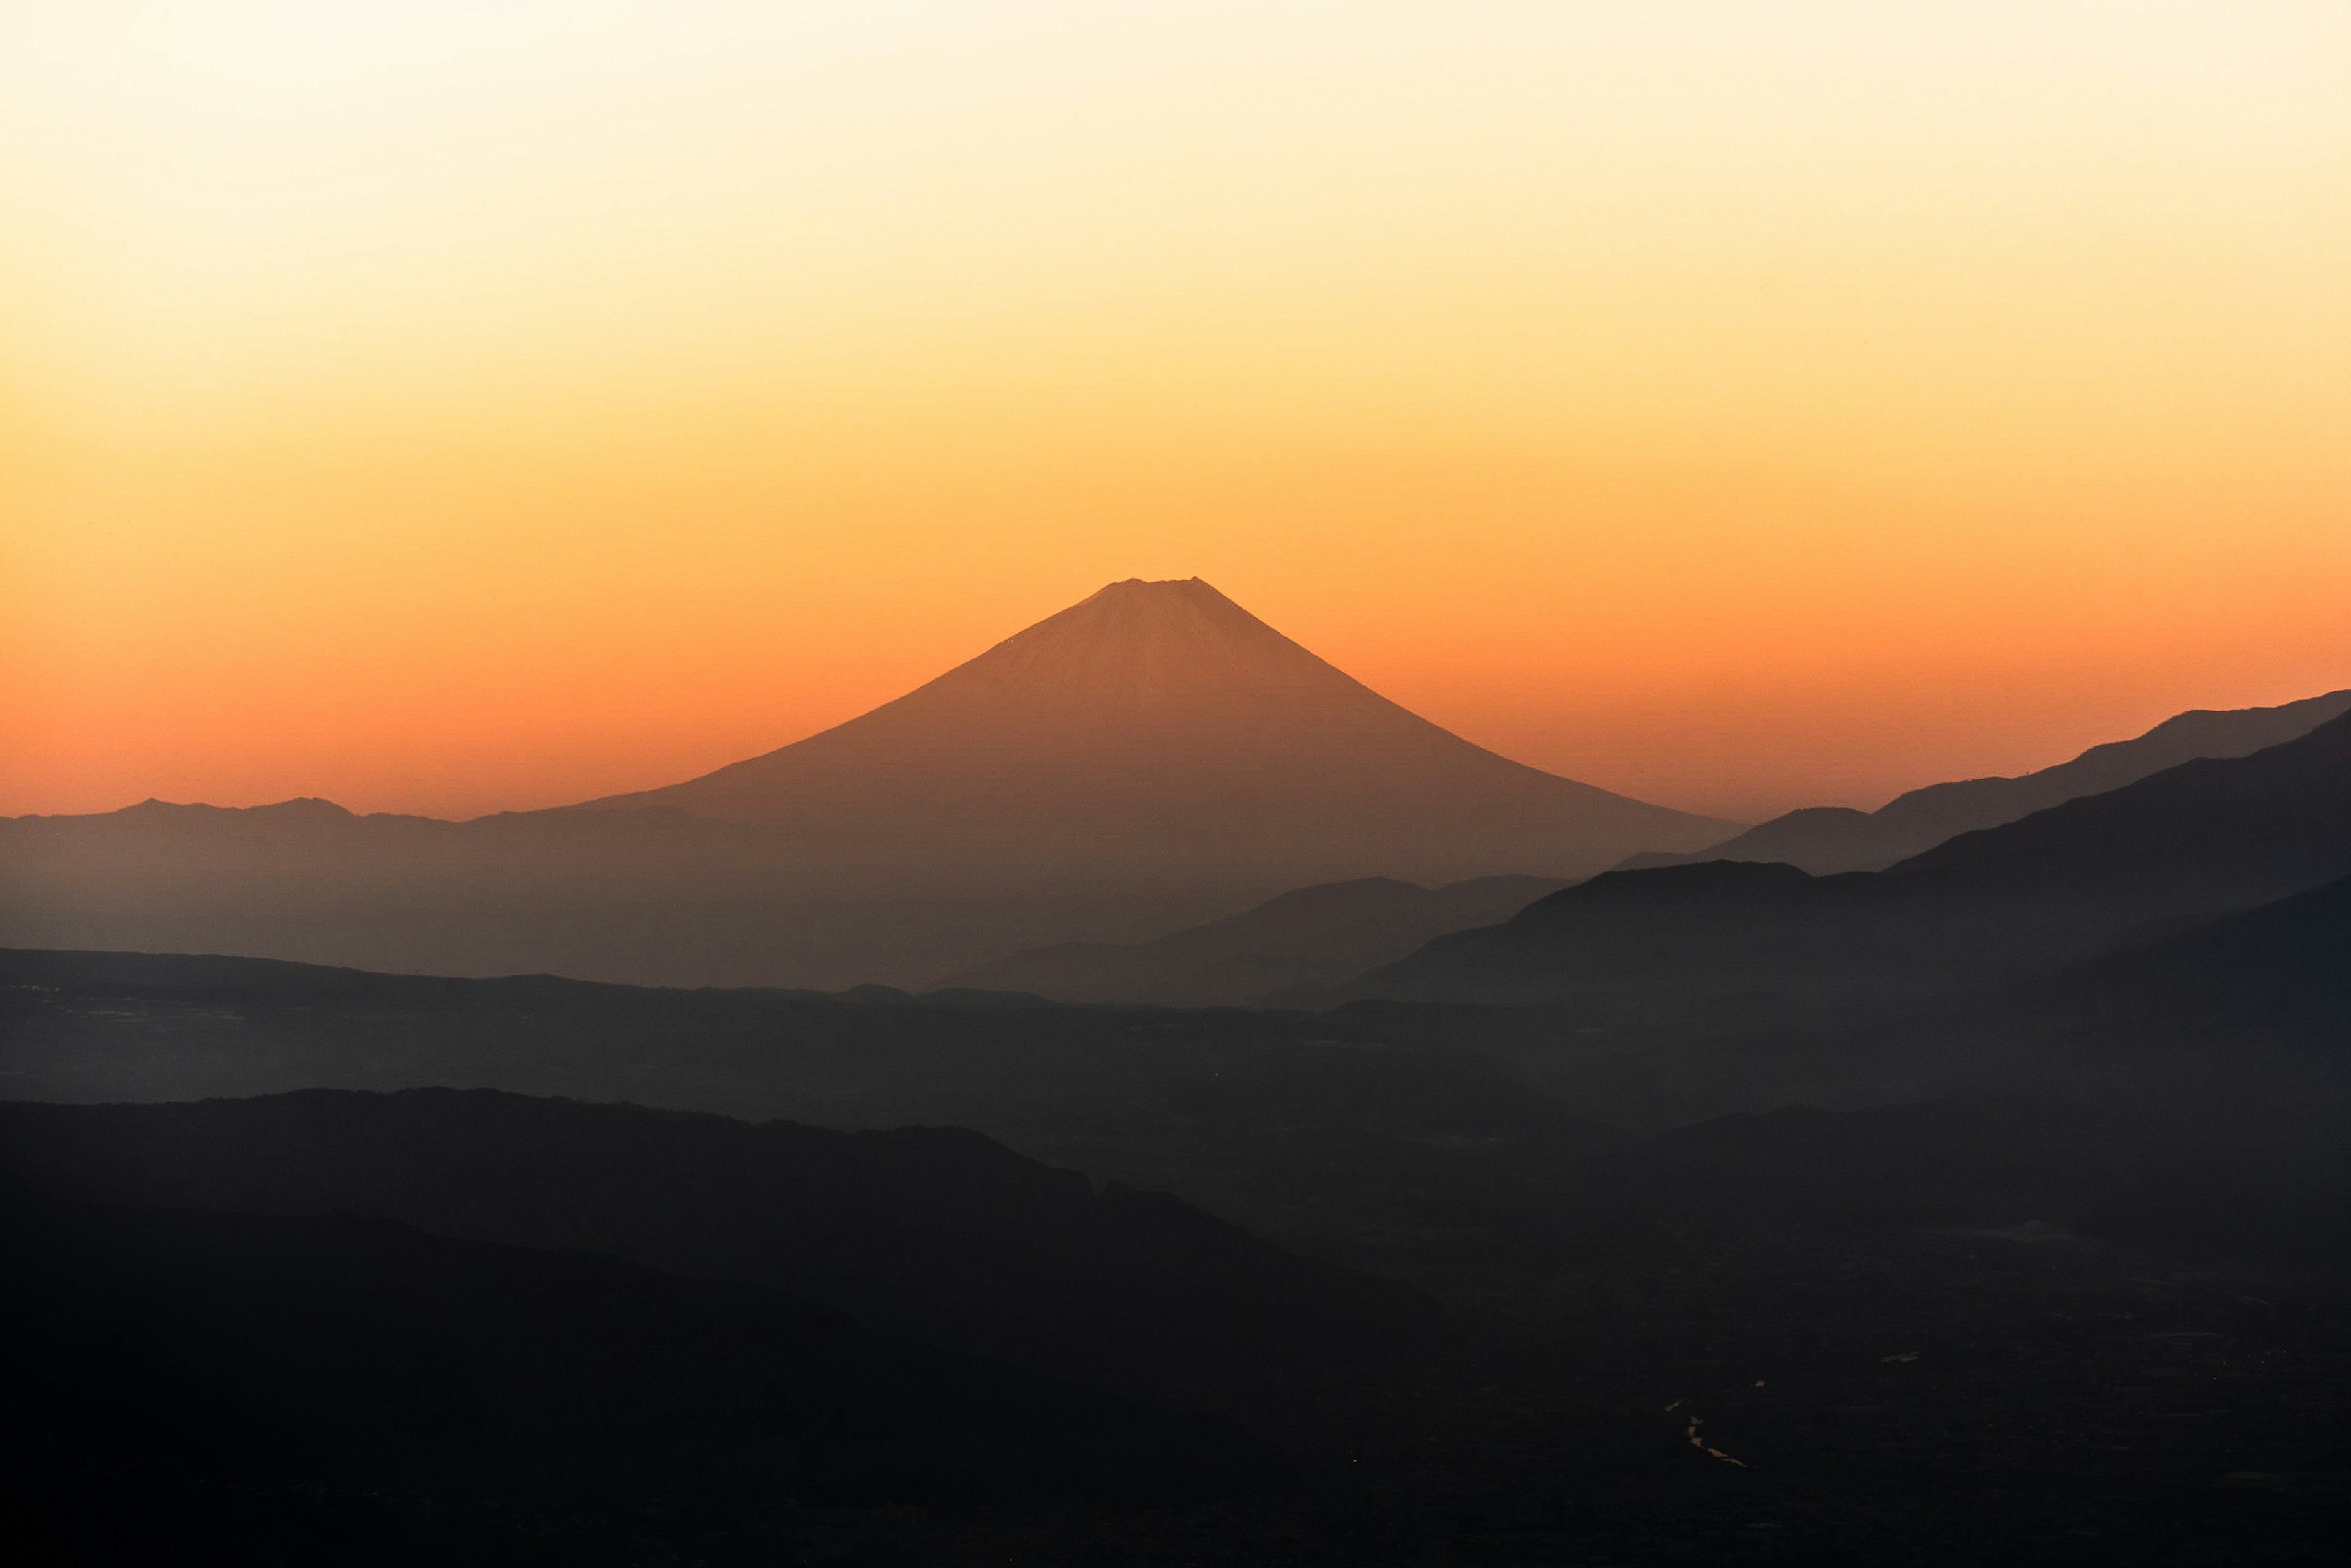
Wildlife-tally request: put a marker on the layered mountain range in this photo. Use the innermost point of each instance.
(2036, 1139)
(1991, 1197)
(2195, 842)
(1824, 839)
(1151, 753)
(1305, 947)
(1289, 949)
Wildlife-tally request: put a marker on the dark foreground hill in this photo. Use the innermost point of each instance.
(1826, 839)
(1151, 757)
(186, 1385)
(2193, 842)
(1367, 1137)
(936, 1232)
(1980, 1329)
(1287, 949)
(2193, 1094)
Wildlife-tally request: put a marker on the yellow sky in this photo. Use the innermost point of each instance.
(451, 407)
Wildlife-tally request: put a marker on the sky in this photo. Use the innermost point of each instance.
(459, 407)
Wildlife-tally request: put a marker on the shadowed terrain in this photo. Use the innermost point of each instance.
(2088, 1293)
(934, 1231)
(186, 1382)
(1291, 949)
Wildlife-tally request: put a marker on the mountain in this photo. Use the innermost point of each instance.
(1160, 719)
(2193, 1091)
(2278, 972)
(1147, 759)
(1286, 951)
(2201, 839)
(1825, 840)
(1893, 1284)
(1380, 1138)
(332, 1388)
(935, 1232)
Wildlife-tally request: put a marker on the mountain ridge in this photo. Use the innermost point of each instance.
(2199, 840)
(1825, 840)
(1284, 952)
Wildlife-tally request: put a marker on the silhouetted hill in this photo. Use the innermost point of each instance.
(2198, 839)
(1284, 952)
(2193, 1091)
(344, 1388)
(1364, 1137)
(1148, 758)
(1826, 839)
(2282, 971)
(938, 1233)
(1968, 1324)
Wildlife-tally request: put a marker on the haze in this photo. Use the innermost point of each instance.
(455, 409)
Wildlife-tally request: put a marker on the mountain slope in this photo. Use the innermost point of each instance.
(1292, 946)
(1342, 1138)
(1825, 840)
(936, 1232)
(2193, 1091)
(2199, 840)
(1160, 719)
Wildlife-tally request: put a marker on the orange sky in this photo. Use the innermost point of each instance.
(451, 407)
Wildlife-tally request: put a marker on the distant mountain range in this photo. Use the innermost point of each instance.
(2196, 841)
(1287, 951)
(1304, 947)
(1825, 840)
(1149, 757)
(2187, 1093)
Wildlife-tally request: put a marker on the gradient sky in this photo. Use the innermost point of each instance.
(453, 407)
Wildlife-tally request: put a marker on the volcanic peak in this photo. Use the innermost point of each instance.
(1160, 719)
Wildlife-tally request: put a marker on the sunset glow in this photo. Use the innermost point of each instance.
(456, 408)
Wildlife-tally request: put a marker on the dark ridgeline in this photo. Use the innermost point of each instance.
(932, 1232)
(1303, 948)
(1151, 757)
(2190, 1094)
(2195, 840)
(1289, 951)
(1826, 839)
(2091, 1296)
(1363, 1134)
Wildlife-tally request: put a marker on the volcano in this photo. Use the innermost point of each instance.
(1150, 758)
(1161, 720)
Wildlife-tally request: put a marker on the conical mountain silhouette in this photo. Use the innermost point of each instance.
(1150, 758)
(1159, 719)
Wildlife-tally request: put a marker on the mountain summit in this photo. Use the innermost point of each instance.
(1160, 720)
